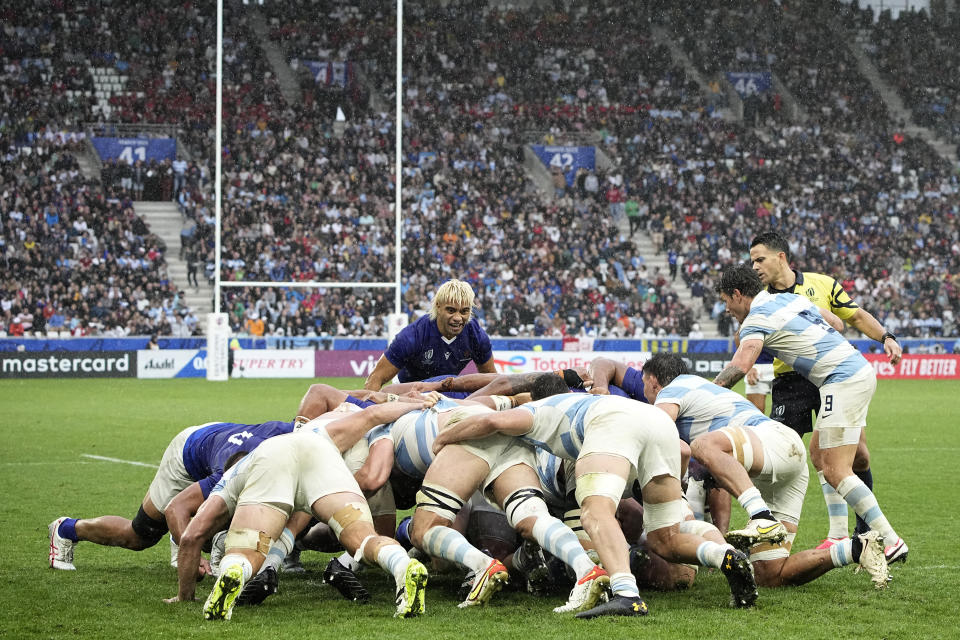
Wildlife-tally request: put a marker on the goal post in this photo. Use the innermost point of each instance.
(218, 352)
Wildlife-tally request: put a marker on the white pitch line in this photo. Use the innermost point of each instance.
(915, 449)
(38, 463)
(106, 459)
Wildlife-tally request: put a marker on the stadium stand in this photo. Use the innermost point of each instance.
(306, 198)
(918, 56)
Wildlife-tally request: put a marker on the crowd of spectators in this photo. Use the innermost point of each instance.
(799, 43)
(917, 54)
(307, 199)
(76, 261)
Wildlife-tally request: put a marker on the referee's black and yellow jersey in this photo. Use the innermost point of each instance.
(823, 291)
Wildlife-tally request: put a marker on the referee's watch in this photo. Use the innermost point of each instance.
(887, 334)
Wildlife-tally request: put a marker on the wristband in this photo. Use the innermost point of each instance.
(887, 334)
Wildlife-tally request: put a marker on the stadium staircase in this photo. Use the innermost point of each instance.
(542, 180)
(289, 85)
(653, 260)
(893, 100)
(660, 36)
(164, 219)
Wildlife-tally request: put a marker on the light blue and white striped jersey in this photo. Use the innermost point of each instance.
(559, 421)
(793, 330)
(703, 407)
(413, 439)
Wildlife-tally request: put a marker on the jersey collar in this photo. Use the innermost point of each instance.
(799, 281)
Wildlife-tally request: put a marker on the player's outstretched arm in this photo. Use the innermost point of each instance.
(377, 467)
(383, 371)
(182, 508)
(605, 372)
(347, 431)
(212, 516)
(319, 399)
(487, 367)
(514, 422)
(505, 384)
(743, 360)
(864, 322)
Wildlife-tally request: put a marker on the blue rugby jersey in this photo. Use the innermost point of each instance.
(208, 448)
(419, 351)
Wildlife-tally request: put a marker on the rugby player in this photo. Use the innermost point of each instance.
(443, 342)
(503, 469)
(793, 329)
(191, 466)
(764, 464)
(613, 442)
(301, 471)
(794, 397)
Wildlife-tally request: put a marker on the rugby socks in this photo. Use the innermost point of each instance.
(68, 529)
(753, 503)
(449, 544)
(710, 554)
(394, 560)
(561, 541)
(624, 584)
(858, 496)
(232, 559)
(867, 478)
(403, 533)
(279, 550)
(836, 509)
(846, 552)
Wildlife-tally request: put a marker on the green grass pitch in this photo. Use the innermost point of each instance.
(50, 428)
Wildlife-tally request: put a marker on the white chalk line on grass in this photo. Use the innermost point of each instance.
(107, 459)
(910, 449)
(39, 463)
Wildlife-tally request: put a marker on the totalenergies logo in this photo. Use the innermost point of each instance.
(516, 364)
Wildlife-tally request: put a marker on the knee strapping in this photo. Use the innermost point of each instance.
(347, 515)
(358, 556)
(439, 500)
(600, 483)
(662, 514)
(524, 503)
(697, 528)
(147, 529)
(742, 447)
(248, 539)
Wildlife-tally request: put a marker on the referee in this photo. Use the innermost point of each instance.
(794, 397)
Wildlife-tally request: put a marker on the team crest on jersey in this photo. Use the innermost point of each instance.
(428, 356)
